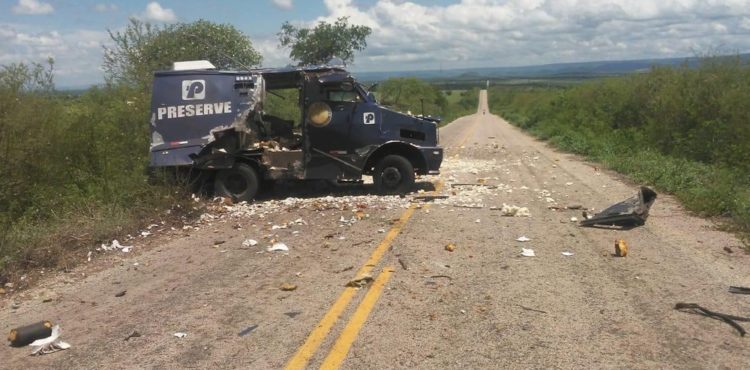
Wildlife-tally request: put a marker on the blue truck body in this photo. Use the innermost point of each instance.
(210, 121)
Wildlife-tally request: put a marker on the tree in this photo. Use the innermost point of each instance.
(143, 48)
(327, 40)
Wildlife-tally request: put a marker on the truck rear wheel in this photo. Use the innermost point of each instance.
(239, 183)
(394, 174)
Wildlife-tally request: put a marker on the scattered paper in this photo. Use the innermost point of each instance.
(249, 243)
(278, 247)
(567, 253)
(527, 252)
(115, 246)
(180, 335)
(50, 344)
(514, 211)
(523, 239)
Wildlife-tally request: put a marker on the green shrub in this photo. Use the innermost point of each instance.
(684, 130)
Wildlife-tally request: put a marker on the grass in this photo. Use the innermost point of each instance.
(682, 130)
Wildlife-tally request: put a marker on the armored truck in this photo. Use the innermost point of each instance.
(216, 125)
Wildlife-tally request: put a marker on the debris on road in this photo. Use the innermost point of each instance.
(531, 309)
(249, 243)
(728, 250)
(429, 198)
(180, 335)
(526, 252)
(115, 246)
(247, 330)
(133, 334)
(450, 247)
(739, 290)
(25, 335)
(523, 239)
(120, 293)
(50, 344)
(347, 268)
(287, 287)
(567, 254)
(360, 281)
(628, 213)
(729, 319)
(403, 264)
(512, 211)
(292, 314)
(278, 247)
(574, 219)
(621, 248)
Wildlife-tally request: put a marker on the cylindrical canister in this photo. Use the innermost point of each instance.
(25, 335)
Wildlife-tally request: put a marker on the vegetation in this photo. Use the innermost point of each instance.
(142, 48)
(684, 130)
(75, 167)
(320, 44)
(417, 96)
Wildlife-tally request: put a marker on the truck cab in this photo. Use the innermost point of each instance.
(223, 125)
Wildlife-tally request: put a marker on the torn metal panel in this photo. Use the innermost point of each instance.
(192, 109)
(628, 213)
(282, 164)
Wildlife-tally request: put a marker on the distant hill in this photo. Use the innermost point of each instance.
(559, 70)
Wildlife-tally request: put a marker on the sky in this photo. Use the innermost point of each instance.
(406, 35)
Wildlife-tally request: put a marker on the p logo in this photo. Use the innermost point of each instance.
(193, 89)
(368, 118)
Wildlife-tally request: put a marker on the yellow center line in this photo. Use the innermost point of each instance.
(316, 337)
(303, 355)
(344, 342)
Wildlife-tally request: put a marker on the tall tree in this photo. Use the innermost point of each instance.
(326, 40)
(143, 48)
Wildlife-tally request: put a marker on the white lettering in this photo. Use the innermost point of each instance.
(192, 110)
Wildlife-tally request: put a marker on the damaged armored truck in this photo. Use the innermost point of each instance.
(217, 126)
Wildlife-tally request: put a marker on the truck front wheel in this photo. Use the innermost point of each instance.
(394, 174)
(239, 183)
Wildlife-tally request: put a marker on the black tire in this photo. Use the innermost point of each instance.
(394, 174)
(240, 183)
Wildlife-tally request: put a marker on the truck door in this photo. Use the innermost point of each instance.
(329, 142)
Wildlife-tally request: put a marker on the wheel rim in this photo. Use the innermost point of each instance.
(236, 183)
(391, 177)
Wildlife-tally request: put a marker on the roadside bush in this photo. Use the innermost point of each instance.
(684, 130)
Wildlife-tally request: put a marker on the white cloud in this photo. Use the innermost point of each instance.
(77, 53)
(479, 33)
(104, 7)
(155, 12)
(284, 4)
(32, 7)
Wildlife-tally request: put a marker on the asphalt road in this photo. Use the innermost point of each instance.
(482, 305)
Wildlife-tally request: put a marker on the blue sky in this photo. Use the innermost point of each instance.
(406, 35)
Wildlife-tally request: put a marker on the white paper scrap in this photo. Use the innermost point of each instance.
(50, 344)
(527, 252)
